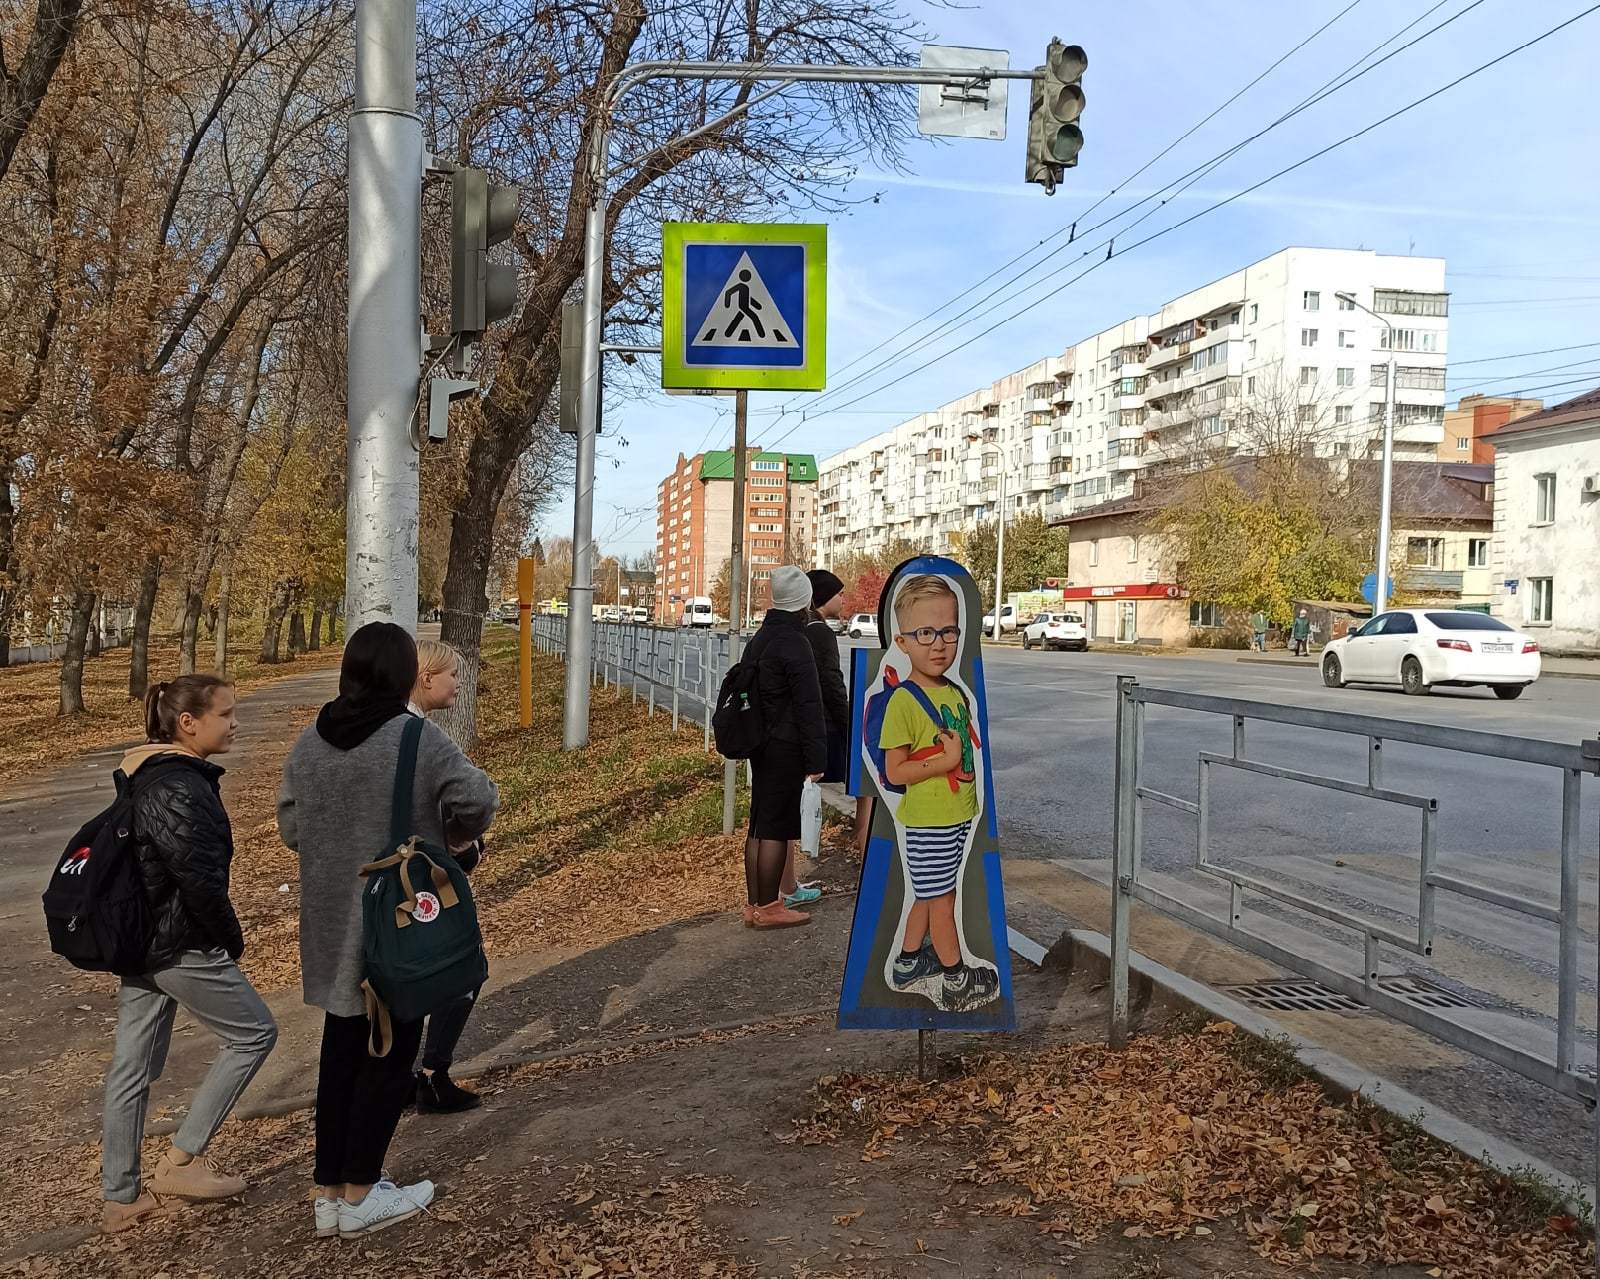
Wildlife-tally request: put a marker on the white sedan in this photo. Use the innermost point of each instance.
(1418, 648)
(864, 626)
(1056, 630)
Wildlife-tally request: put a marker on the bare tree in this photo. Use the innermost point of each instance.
(21, 92)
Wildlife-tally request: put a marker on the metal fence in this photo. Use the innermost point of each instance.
(676, 669)
(1569, 764)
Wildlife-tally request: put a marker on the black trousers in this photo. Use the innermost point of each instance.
(444, 1032)
(359, 1099)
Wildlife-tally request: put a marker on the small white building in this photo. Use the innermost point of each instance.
(1546, 554)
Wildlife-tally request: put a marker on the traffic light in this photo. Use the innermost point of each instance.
(481, 214)
(1054, 138)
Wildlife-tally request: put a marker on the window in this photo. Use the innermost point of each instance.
(1401, 302)
(1308, 375)
(1347, 338)
(1341, 448)
(1541, 603)
(1308, 337)
(1410, 377)
(1208, 615)
(1544, 498)
(1342, 415)
(766, 466)
(1478, 552)
(1346, 377)
(1306, 414)
(1131, 386)
(1252, 349)
(1133, 550)
(1211, 424)
(1347, 304)
(1401, 624)
(1464, 620)
(1462, 441)
(1425, 552)
(1249, 386)
(1254, 312)
(1311, 300)
(1094, 551)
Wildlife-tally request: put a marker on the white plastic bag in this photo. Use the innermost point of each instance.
(811, 818)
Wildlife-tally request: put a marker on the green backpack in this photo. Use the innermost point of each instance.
(421, 945)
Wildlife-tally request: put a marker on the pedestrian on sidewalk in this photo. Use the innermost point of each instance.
(795, 750)
(1258, 629)
(333, 809)
(438, 678)
(184, 848)
(1300, 634)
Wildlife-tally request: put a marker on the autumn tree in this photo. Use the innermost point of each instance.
(1034, 551)
(23, 90)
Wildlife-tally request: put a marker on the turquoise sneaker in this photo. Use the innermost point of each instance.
(803, 895)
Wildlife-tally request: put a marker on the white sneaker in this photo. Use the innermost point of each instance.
(327, 1217)
(386, 1205)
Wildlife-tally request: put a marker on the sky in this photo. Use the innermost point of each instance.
(1497, 175)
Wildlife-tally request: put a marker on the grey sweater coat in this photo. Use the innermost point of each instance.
(333, 809)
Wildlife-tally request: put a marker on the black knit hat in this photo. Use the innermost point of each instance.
(824, 586)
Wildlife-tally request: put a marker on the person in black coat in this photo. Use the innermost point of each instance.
(184, 848)
(795, 747)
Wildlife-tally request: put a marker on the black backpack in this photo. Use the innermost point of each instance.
(94, 905)
(738, 723)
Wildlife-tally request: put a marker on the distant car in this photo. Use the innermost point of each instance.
(1056, 630)
(639, 615)
(1421, 648)
(838, 625)
(1008, 620)
(507, 611)
(864, 626)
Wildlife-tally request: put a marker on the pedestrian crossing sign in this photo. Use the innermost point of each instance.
(744, 306)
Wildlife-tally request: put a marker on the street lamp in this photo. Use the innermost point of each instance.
(1000, 532)
(1380, 586)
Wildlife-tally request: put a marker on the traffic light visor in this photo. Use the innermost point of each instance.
(1067, 61)
(1065, 102)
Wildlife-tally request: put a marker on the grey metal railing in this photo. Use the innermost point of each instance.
(1132, 793)
(676, 669)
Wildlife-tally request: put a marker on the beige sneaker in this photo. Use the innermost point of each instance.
(196, 1179)
(116, 1217)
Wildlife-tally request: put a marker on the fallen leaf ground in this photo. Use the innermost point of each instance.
(769, 1144)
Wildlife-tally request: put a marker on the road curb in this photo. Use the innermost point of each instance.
(1081, 948)
(1312, 663)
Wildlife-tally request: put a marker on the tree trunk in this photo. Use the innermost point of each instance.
(333, 625)
(10, 570)
(72, 660)
(224, 595)
(189, 639)
(297, 633)
(211, 620)
(272, 633)
(465, 580)
(97, 622)
(139, 668)
(314, 639)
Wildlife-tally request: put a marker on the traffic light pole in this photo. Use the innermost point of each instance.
(384, 331)
(580, 595)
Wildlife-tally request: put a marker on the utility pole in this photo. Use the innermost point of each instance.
(1380, 586)
(1000, 550)
(741, 408)
(385, 324)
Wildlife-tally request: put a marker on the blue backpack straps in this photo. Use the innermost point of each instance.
(405, 776)
(924, 701)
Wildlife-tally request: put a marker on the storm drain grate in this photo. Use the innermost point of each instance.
(1301, 994)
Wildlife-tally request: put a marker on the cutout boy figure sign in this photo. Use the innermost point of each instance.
(928, 946)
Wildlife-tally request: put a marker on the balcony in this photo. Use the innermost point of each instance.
(1039, 478)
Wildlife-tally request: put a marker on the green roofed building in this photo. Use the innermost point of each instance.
(694, 524)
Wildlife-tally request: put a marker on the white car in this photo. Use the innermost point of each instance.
(1056, 630)
(1418, 648)
(864, 626)
(1008, 620)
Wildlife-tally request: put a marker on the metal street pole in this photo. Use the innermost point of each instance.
(384, 324)
(580, 620)
(1380, 589)
(1000, 550)
(741, 412)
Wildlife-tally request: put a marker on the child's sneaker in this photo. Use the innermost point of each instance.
(967, 987)
(327, 1211)
(386, 1205)
(917, 967)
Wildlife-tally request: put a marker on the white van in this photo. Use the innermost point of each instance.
(697, 611)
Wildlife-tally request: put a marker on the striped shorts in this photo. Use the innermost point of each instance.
(933, 856)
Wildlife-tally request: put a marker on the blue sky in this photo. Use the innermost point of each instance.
(1497, 175)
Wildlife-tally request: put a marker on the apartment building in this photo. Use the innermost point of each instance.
(1476, 417)
(694, 523)
(1160, 392)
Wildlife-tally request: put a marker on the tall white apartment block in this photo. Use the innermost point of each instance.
(1159, 390)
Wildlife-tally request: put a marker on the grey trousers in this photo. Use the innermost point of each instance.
(209, 986)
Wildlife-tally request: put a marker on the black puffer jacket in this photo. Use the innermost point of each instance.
(791, 698)
(185, 848)
(835, 700)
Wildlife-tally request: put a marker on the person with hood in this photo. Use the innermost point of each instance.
(333, 810)
(184, 847)
(1300, 634)
(795, 750)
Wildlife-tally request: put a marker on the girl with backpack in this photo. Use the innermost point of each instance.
(183, 846)
(438, 677)
(334, 811)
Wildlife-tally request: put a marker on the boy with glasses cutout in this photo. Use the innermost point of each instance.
(927, 739)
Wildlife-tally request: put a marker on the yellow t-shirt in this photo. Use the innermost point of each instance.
(931, 802)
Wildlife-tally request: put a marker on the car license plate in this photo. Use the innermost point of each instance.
(1497, 648)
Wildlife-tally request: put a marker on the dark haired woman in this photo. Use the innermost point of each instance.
(333, 809)
(184, 848)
